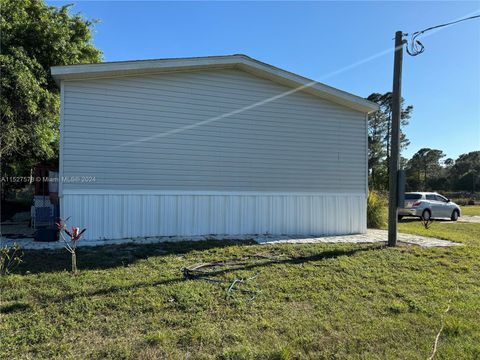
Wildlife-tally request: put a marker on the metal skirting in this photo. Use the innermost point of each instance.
(118, 215)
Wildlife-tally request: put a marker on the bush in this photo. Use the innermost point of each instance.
(10, 257)
(462, 201)
(376, 210)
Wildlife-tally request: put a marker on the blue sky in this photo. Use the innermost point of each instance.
(316, 39)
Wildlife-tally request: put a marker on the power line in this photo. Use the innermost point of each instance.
(416, 47)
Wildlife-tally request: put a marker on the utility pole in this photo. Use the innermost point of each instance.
(395, 141)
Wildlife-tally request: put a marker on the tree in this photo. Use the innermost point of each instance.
(424, 166)
(379, 125)
(448, 163)
(465, 173)
(34, 38)
(376, 151)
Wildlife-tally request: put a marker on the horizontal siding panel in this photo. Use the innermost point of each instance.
(270, 177)
(186, 185)
(210, 110)
(209, 83)
(116, 142)
(205, 166)
(213, 127)
(183, 165)
(240, 126)
(121, 154)
(204, 101)
(270, 111)
(279, 134)
(113, 131)
(303, 166)
(164, 117)
(263, 184)
(285, 152)
(99, 124)
(200, 159)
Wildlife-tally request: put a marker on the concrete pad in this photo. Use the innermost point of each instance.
(371, 236)
(469, 219)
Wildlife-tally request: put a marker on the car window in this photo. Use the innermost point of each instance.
(430, 197)
(413, 196)
(441, 198)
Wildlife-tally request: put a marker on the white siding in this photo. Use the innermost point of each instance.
(295, 165)
(120, 214)
(295, 143)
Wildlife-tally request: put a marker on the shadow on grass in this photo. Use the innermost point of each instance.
(16, 307)
(324, 255)
(415, 219)
(111, 256)
(329, 254)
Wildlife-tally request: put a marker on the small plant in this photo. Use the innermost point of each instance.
(10, 258)
(426, 223)
(70, 239)
(376, 215)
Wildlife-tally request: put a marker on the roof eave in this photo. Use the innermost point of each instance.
(86, 71)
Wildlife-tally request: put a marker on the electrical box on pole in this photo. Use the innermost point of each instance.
(401, 189)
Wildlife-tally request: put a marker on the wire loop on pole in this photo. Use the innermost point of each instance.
(415, 47)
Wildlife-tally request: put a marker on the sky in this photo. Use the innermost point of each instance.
(342, 44)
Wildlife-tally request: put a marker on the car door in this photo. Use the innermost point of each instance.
(443, 206)
(434, 205)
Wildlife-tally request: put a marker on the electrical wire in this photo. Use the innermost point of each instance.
(415, 47)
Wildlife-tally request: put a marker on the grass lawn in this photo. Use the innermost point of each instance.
(320, 301)
(471, 210)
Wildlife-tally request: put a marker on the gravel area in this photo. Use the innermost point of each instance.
(371, 236)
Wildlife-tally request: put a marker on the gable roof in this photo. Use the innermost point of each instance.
(239, 61)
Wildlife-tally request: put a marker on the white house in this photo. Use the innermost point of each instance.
(209, 145)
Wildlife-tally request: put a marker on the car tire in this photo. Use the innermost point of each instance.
(400, 217)
(426, 215)
(455, 215)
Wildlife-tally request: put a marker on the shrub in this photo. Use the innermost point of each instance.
(461, 201)
(376, 210)
(10, 257)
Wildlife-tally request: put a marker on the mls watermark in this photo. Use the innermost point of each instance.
(63, 179)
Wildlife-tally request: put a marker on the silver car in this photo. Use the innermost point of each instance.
(427, 205)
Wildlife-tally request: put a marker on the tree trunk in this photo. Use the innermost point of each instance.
(74, 263)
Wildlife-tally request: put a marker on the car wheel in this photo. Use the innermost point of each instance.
(454, 216)
(400, 217)
(426, 215)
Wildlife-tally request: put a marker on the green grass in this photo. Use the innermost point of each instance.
(468, 234)
(471, 210)
(321, 301)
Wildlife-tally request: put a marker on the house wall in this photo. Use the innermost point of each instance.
(124, 214)
(171, 154)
